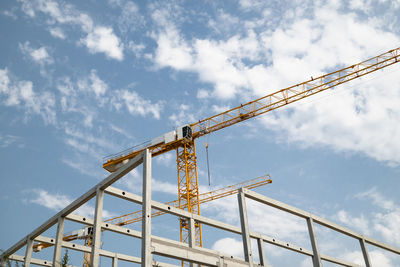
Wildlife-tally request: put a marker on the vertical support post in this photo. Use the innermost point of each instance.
(261, 254)
(192, 236)
(3, 262)
(115, 261)
(313, 239)
(146, 211)
(98, 214)
(59, 240)
(365, 253)
(28, 252)
(245, 228)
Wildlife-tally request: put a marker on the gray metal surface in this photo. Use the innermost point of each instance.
(146, 210)
(58, 244)
(98, 215)
(245, 228)
(313, 239)
(261, 253)
(365, 253)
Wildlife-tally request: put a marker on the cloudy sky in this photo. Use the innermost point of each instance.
(83, 79)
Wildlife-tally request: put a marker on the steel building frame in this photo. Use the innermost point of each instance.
(153, 245)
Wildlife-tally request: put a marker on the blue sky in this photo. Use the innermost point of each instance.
(82, 79)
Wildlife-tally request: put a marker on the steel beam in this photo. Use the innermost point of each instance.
(33, 260)
(197, 255)
(146, 210)
(245, 228)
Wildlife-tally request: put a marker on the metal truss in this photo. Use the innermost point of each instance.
(154, 245)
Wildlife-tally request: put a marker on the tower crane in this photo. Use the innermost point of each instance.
(183, 138)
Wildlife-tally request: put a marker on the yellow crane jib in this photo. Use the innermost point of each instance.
(257, 107)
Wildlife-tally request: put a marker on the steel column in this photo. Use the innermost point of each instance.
(59, 240)
(98, 217)
(146, 210)
(261, 254)
(115, 262)
(192, 235)
(365, 253)
(313, 239)
(245, 228)
(28, 252)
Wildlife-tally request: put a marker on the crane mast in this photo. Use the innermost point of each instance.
(185, 145)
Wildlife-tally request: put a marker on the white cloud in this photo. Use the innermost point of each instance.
(58, 201)
(133, 182)
(57, 32)
(136, 104)
(164, 187)
(98, 86)
(99, 39)
(27, 7)
(182, 116)
(136, 49)
(262, 219)
(10, 13)
(387, 220)
(361, 223)
(203, 93)
(229, 246)
(121, 131)
(377, 258)
(81, 101)
(173, 51)
(377, 198)
(166, 159)
(251, 65)
(8, 140)
(39, 55)
(81, 165)
(20, 94)
(103, 40)
(86, 141)
(130, 18)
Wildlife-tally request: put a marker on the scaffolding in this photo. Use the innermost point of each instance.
(188, 252)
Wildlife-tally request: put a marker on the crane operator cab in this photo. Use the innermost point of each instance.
(185, 132)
